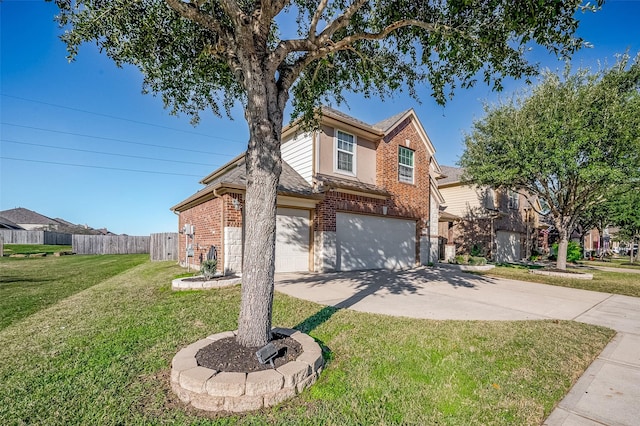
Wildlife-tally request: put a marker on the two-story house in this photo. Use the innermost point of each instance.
(499, 224)
(352, 196)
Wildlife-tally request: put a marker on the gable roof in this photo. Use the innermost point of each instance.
(388, 123)
(451, 175)
(21, 215)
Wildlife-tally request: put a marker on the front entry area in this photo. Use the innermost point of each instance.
(292, 240)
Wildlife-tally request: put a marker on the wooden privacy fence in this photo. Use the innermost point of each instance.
(164, 246)
(110, 244)
(14, 236)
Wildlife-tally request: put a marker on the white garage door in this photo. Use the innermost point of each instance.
(292, 240)
(372, 242)
(507, 246)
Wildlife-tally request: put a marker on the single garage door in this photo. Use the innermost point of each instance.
(373, 242)
(507, 246)
(292, 240)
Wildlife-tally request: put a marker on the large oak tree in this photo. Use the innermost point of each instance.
(571, 143)
(209, 54)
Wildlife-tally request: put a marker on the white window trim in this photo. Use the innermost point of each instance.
(335, 153)
(413, 167)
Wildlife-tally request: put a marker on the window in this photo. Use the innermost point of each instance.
(513, 199)
(405, 165)
(345, 152)
(489, 199)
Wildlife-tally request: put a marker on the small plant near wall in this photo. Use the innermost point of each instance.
(477, 261)
(476, 250)
(208, 268)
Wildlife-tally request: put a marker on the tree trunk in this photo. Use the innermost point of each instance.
(562, 252)
(264, 115)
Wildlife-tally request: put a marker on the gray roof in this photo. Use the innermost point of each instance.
(7, 224)
(290, 181)
(381, 126)
(328, 182)
(330, 110)
(386, 124)
(451, 175)
(21, 215)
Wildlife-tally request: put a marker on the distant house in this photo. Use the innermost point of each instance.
(499, 224)
(7, 224)
(352, 196)
(30, 220)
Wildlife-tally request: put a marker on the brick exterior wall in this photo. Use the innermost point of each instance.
(407, 200)
(334, 201)
(209, 227)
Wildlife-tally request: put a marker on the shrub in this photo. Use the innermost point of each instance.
(574, 252)
(208, 268)
(461, 259)
(477, 261)
(476, 250)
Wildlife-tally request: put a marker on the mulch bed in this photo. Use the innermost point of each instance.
(226, 355)
(562, 271)
(202, 278)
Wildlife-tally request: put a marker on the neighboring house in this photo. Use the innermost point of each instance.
(8, 224)
(352, 196)
(30, 220)
(499, 224)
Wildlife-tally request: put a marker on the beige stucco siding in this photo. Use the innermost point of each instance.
(365, 158)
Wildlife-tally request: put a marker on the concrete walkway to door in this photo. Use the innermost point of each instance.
(607, 393)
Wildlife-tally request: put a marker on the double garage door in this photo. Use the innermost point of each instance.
(362, 242)
(372, 242)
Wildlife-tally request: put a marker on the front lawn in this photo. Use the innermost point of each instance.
(625, 283)
(102, 356)
(623, 263)
(28, 285)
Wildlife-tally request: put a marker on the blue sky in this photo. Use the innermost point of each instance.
(79, 141)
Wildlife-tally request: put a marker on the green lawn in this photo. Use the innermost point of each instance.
(102, 356)
(28, 285)
(33, 249)
(623, 263)
(608, 282)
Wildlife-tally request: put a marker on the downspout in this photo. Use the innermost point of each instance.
(178, 214)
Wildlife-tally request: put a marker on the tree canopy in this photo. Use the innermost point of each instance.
(209, 54)
(570, 143)
(195, 53)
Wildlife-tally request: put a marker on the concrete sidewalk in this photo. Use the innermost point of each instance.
(607, 393)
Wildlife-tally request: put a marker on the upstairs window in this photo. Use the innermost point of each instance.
(489, 200)
(513, 199)
(345, 152)
(405, 165)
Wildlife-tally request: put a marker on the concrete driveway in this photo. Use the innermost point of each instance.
(607, 393)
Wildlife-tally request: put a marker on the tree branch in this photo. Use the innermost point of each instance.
(341, 21)
(319, 49)
(316, 18)
(191, 12)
